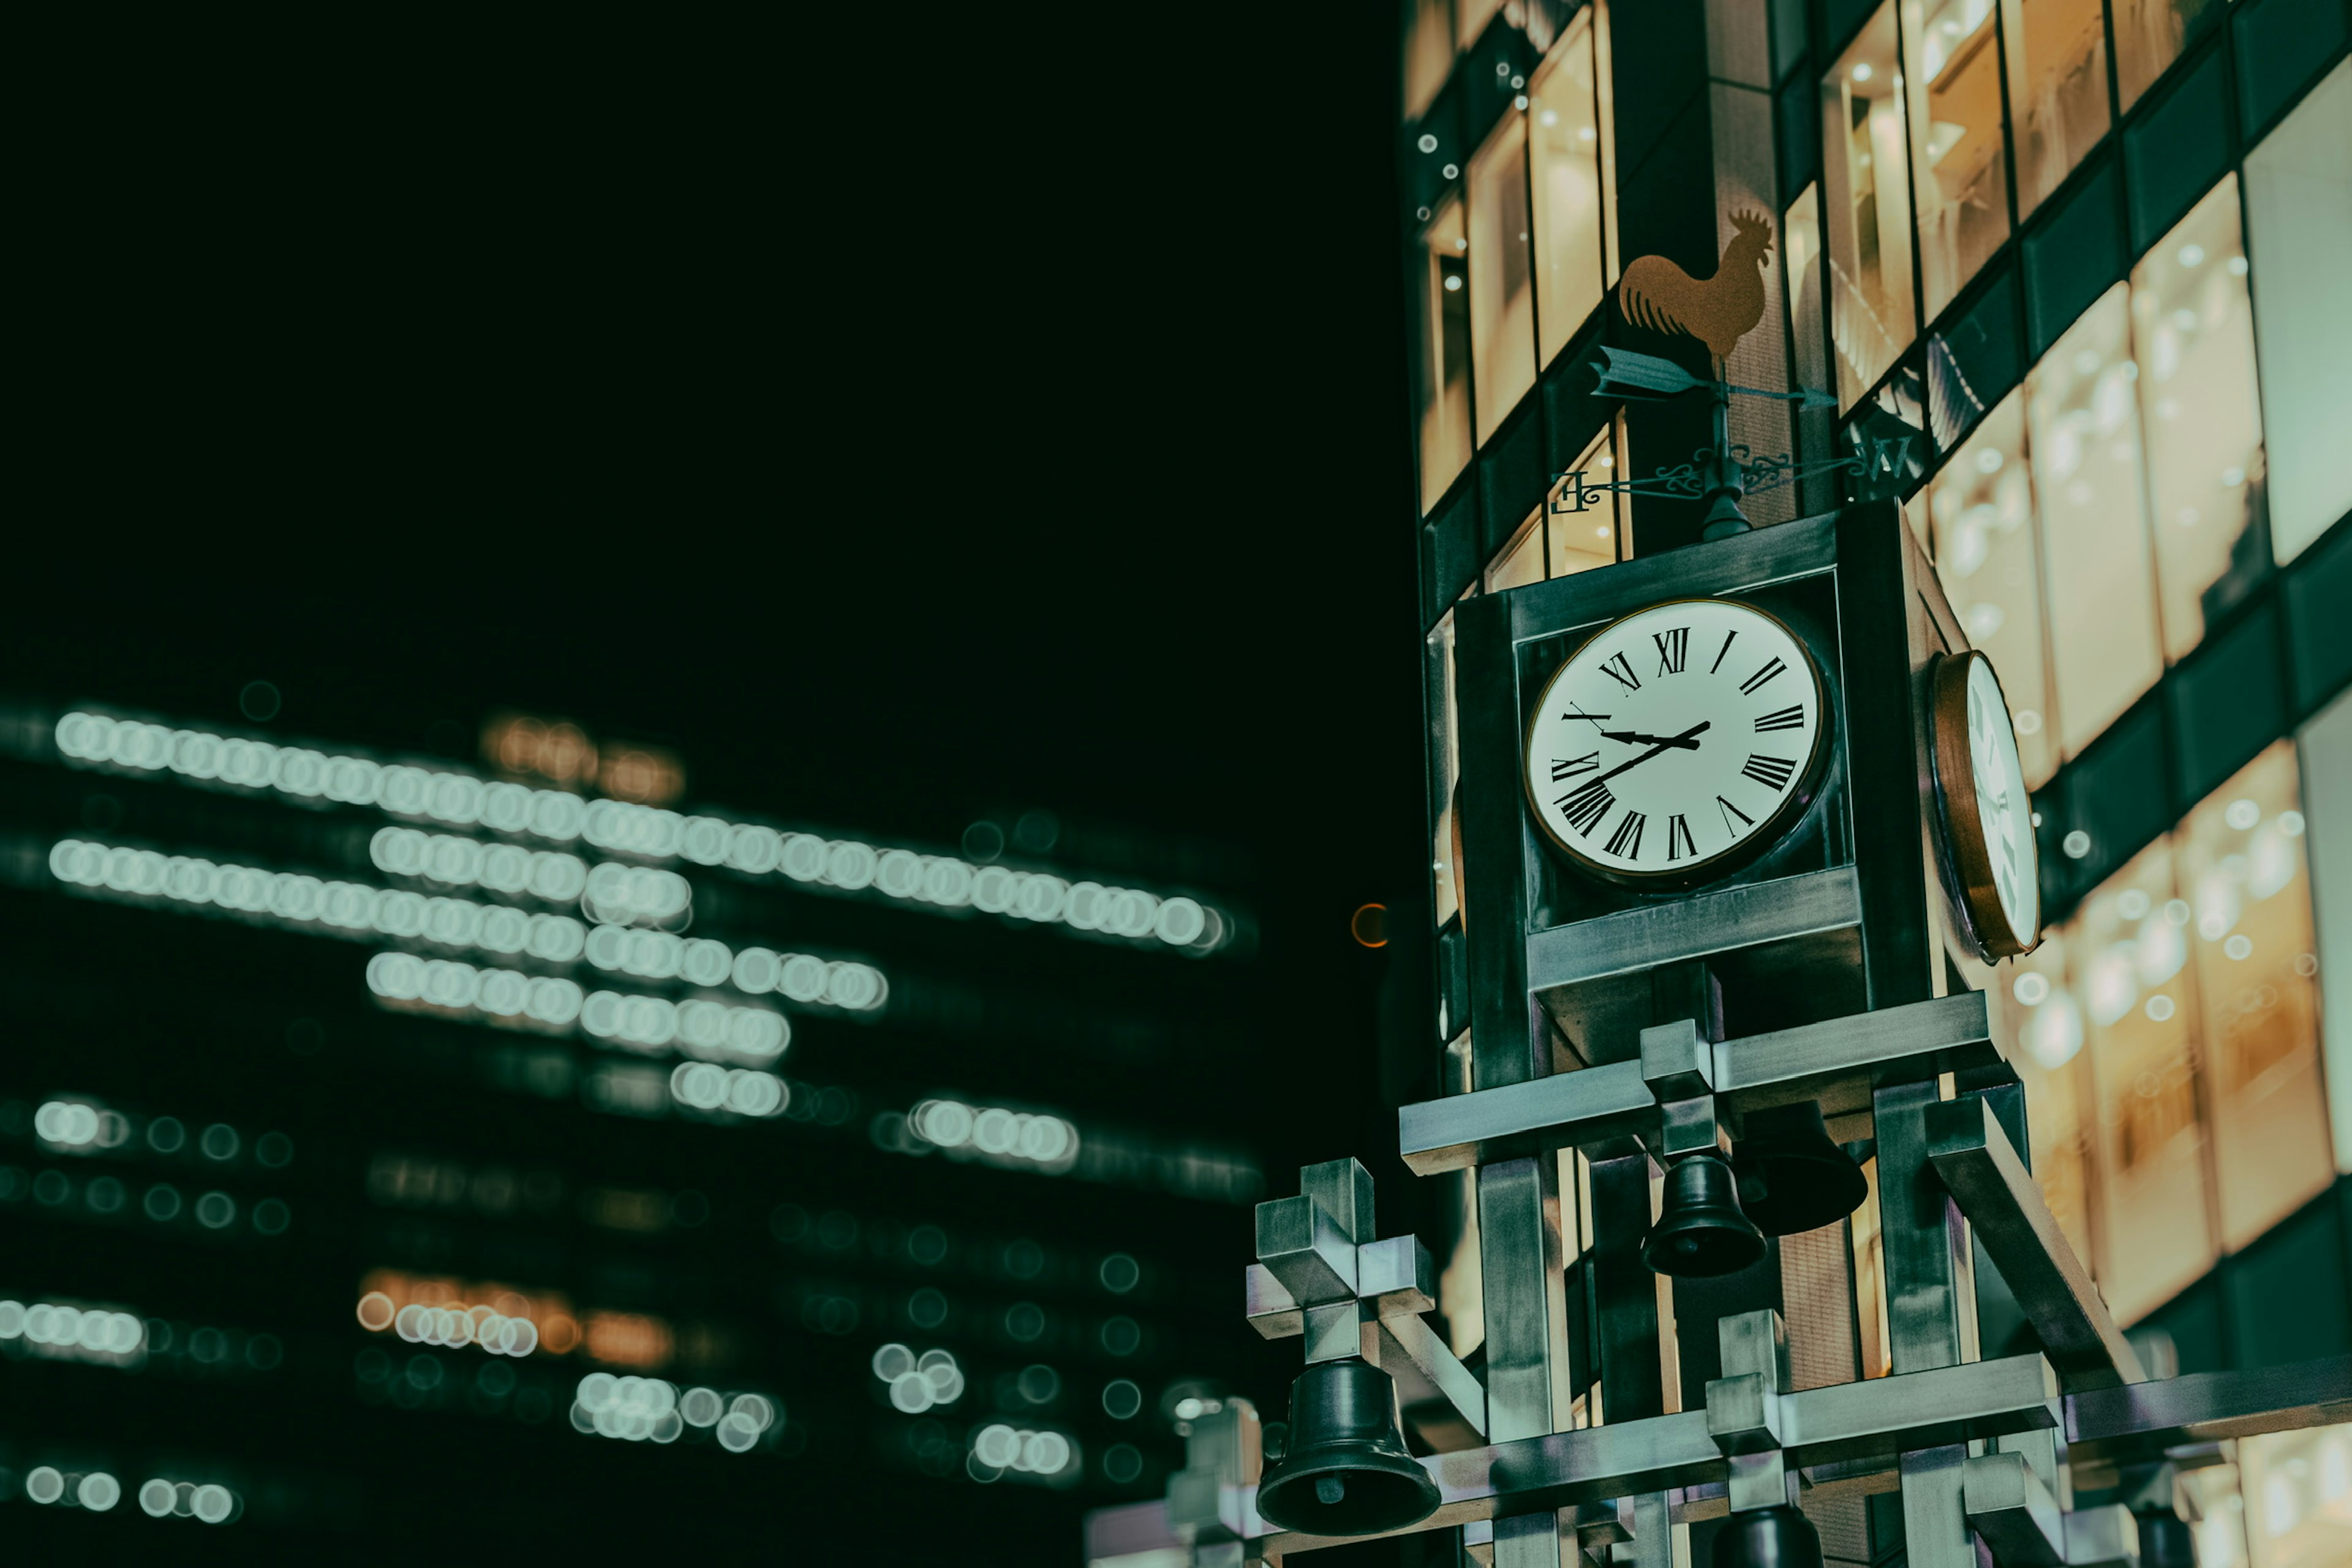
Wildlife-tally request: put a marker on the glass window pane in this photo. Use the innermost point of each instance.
(2151, 34)
(2298, 1509)
(1502, 294)
(2194, 335)
(1445, 763)
(2127, 970)
(1565, 130)
(1522, 560)
(1866, 204)
(1958, 149)
(2046, 1019)
(1474, 16)
(1428, 52)
(2299, 211)
(1986, 555)
(1583, 540)
(2084, 424)
(2057, 88)
(1802, 253)
(2246, 896)
(1441, 352)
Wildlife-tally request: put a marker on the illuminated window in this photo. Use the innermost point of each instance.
(2246, 896)
(1522, 560)
(1583, 540)
(2046, 1020)
(2299, 214)
(1800, 253)
(2083, 425)
(1564, 111)
(1471, 17)
(1441, 352)
(1987, 546)
(1502, 292)
(2128, 969)
(2151, 34)
(1866, 204)
(2057, 88)
(2298, 1500)
(2193, 331)
(1957, 143)
(1428, 52)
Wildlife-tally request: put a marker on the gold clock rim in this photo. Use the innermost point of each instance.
(1964, 834)
(1804, 788)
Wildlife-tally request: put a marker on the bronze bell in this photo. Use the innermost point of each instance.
(1700, 1231)
(1791, 1177)
(1345, 1469)
(1767, 1538)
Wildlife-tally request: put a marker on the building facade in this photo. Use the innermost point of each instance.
(2077, 265)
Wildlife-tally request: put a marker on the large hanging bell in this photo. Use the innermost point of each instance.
(1791, 1177)
(1700, 1231)
(1345, 1469)
(1767, 1538)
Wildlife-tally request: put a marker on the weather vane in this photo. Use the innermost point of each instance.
(1718, 310)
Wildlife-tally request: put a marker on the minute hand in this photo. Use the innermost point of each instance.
(1635, 737)
(1664, 744)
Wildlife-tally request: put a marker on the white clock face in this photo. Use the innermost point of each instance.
(2003, 807)
(1679, 739)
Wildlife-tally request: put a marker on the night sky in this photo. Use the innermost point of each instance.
(906, 417)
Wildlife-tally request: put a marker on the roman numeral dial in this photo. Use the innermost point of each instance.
(1676, 744)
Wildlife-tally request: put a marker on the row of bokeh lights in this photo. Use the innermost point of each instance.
(159, 1497)
(649, 1409)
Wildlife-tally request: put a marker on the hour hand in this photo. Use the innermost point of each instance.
(1635, 737)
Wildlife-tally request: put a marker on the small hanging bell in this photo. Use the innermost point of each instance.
(1791, 1177)
(1345, 1469)
(1767, 1538)
(1700, 1231)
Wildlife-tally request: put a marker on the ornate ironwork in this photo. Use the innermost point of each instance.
(1742, 471)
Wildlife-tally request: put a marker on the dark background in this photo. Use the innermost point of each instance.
(995, 410)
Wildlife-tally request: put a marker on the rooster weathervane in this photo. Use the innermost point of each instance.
(1718, 310)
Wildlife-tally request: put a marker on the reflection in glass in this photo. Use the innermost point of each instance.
(1801, 254)
(1987, 553)
(1502, 294)
(2298, 1493)
(2044, 1018)
(2245, 914)
(1441, 357)
(2299, 215)
(2151, 34)
(2127, 971)
(1474, 16)
(1445, 762)
(1522, 560)
(1956, 143)
(2057, 88)
(1866, 205)
(2193, 331)
(1564, 113)
(2083, 425)
(1428, 52)
(1583, 540)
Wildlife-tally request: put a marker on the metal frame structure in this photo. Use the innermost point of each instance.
(1638, 1029)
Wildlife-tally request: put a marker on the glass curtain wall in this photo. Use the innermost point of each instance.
(1565, 149)
(1959, 149)
(1502, 284)
(2057, 53)
(1866, 207)
(1441, 352)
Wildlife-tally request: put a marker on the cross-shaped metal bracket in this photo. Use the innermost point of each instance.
(1321, 1274)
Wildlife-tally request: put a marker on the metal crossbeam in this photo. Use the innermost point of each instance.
(1838, 1063)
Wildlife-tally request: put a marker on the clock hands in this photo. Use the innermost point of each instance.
(1664, 743)
(1635, 737)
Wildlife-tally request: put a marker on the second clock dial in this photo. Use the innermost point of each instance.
(1676, 742)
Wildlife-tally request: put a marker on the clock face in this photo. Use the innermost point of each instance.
(1676, 742)
(1987, 814)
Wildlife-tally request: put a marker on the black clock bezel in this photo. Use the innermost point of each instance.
(1804, 788)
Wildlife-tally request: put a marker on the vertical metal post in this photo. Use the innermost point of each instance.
(1520, 1252)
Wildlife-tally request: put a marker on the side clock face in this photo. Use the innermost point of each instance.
(1676, 742)
(1986, 815)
